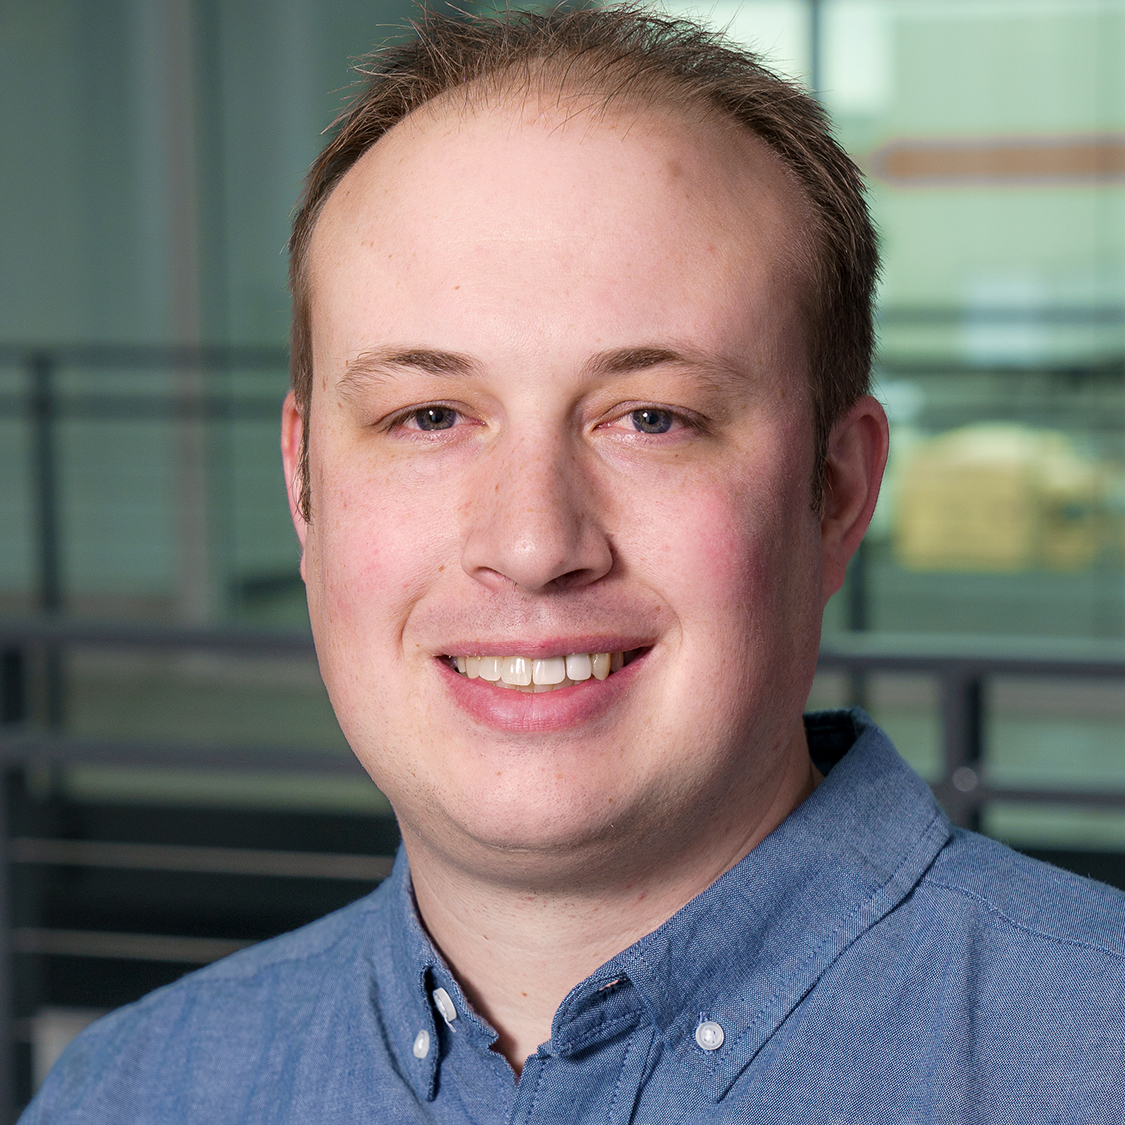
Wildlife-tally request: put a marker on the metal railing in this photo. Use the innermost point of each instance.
(27, 744)
(962, 667)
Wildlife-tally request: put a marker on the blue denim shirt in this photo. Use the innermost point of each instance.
(865, 963)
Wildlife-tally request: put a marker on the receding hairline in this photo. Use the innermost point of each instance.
(612, 51)
(555, 91)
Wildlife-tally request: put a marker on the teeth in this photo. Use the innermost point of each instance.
(522, 673)
(549, 671)
(515, 671)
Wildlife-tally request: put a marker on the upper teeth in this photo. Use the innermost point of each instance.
(531, 674)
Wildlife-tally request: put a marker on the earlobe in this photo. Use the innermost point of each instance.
(292, 434)
(857, 455)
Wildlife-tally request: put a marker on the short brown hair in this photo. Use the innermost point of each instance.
(624, 52)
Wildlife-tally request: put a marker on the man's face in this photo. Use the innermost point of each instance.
(560, 409)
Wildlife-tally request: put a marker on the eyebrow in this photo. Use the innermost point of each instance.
(717, 371)
(626, 360)
(379, 364)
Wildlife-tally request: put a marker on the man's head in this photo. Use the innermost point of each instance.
(624, 56)
(560, 406)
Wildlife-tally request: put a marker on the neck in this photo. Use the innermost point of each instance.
(518, 950)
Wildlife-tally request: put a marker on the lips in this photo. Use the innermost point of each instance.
(537, 675)
(531, 707)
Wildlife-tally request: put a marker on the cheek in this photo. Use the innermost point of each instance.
(374, 547)
(729, 544)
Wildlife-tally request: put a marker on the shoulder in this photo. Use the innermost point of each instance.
(987, 884)
(332, 937)
(231, 1021)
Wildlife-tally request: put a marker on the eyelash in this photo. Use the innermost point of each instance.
(401, 420)
(681, 421)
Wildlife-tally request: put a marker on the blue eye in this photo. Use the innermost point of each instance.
(650, 421)
(434, 417)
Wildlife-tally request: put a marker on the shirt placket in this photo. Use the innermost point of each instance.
(592, 1069)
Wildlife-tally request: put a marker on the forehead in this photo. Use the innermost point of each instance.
(644, 213)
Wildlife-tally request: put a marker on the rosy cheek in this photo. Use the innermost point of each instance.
(734, 541)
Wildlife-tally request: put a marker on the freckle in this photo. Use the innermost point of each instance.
(458, 287)
(442, 567)
(498, 774)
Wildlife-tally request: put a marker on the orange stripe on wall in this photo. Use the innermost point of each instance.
(1002, 160)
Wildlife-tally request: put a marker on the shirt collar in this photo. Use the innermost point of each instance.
(745, 951)
(409, 970)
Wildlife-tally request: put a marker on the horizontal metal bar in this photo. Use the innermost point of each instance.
(213, 357)
(973, 656)
(149, 407)
(221, 357)
(34, 748)
(1022, 795)
(24, 1028)
(201, 860)
(123, 947)
(17, 751)
(109, 634)
(892, 652)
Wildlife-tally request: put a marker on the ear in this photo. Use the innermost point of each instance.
(292, 431)
(857, 455)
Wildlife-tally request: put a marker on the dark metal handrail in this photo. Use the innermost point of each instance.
(962, 666)
(138, 357)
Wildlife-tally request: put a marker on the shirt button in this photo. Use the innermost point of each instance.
(444, 1004)
(422, 1044)
(709, 1036)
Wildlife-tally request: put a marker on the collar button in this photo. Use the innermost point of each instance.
(444, 1004)
(709, 1036)
(422, 1044)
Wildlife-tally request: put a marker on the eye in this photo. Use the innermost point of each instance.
(433, 417)
(649, 420)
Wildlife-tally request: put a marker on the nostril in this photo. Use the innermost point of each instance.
(574, 578)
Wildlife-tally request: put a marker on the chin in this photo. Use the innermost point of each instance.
(550, 833)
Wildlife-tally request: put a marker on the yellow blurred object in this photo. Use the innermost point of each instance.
(998, 497)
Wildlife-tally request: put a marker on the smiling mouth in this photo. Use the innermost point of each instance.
(535, 675)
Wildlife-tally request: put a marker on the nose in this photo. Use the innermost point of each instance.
(533, 519)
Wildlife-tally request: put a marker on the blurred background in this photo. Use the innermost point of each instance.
(175, 783)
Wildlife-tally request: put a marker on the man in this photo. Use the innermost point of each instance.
(579, 446)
